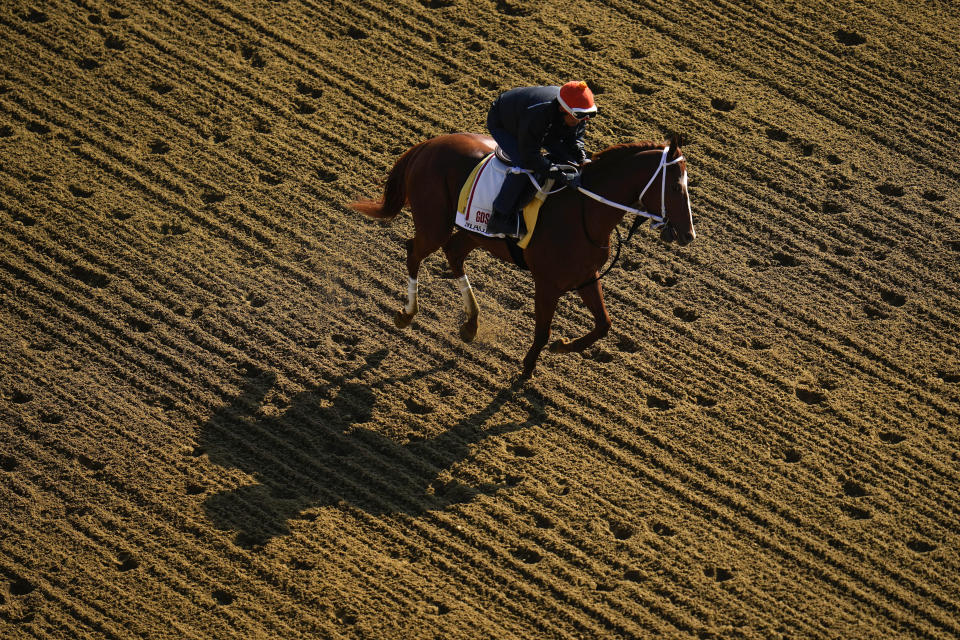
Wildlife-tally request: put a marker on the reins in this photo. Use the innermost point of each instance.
(659, 221)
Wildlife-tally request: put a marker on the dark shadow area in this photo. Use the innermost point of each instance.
(313, 452)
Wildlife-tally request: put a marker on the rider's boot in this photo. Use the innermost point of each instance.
(506, 207)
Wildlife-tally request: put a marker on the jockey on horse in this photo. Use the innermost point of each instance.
(525, 121)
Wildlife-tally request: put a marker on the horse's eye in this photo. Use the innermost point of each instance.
(678, 188)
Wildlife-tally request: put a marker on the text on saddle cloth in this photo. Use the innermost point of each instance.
(475, 203)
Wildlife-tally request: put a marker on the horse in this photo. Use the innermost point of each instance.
(571, 241)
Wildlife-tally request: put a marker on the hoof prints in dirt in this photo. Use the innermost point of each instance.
(659, 403)
(527, 555)
(89, 277)
(20, 397)
(856, 513)
(785, 259)
(521, 451)
(415, 406)
(21, 587)
(889, 437)
(126, 562)
(831, 207)
(621, 531)
(194, 489)
(849, 38)
(632, 575)
(513, 9)
(114, 43)
(719, 574)
(38, 128)
(543, 522)
(893, 298)
(90, 463)
(777, 135)
(309, 90)
(810, 396)
(920, 546)
(253, 56)
(36, 17)
(80, 192)
(8, 463)
(892, 190)
(212, 197)
(853, 489)
(222, 598)
(720, 104)
(663, 530)
(792, 456)
(159, 147)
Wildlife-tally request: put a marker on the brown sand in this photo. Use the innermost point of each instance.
(210, 428)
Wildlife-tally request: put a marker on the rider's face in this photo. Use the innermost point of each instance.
(569, 120)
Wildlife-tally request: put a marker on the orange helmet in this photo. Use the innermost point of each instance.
(577, 100)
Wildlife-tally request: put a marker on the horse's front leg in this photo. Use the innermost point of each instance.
(592, 296)
(545, 304)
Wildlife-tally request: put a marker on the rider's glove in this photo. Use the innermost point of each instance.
(565, 175)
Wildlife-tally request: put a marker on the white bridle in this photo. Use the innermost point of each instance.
(658, 220)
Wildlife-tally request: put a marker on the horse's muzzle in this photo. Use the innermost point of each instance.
(668, 234)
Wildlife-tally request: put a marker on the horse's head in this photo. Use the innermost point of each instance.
(671, 199)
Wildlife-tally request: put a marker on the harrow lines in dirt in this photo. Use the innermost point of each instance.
(211, 552)
(833, 341)
(362, 92)
(694, 483)
(268, 148)
(62, 544)
(446, 541)
(57, 594)
(891, 477)
(869, 582)
(876, 86)
(823, 103)
(91, 536)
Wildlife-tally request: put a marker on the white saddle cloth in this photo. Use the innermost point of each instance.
(476, 199)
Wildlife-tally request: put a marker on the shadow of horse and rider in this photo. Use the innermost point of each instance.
(315, 452)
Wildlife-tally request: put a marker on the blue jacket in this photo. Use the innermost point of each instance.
(526, 120)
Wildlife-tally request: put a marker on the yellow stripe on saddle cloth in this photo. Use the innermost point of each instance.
(464, 200)
(530, 212)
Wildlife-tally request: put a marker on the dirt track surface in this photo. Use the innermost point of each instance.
(210, 428)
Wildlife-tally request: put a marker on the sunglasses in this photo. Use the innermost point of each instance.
(580, 117)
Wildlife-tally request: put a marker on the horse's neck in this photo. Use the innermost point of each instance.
(621, 183)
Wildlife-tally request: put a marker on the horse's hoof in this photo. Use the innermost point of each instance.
(559, 346)
(402, 319)
(468, 330)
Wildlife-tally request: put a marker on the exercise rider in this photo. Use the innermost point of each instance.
(526, 122)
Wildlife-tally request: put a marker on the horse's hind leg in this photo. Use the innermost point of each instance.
(456, 249)
(417, 250)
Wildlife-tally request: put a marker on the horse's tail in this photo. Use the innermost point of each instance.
(394, 192)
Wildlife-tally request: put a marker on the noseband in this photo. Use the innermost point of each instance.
(662, 170)
(658, 220)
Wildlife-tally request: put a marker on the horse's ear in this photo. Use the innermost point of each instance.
(675, 141)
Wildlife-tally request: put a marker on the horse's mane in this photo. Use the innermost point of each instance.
(620, 151)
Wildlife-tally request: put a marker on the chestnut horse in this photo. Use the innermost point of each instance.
(572, 237)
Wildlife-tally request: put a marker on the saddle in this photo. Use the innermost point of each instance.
(475, 204)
